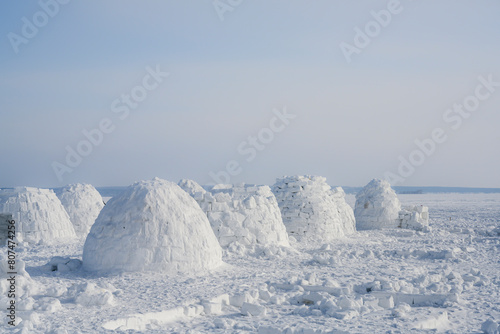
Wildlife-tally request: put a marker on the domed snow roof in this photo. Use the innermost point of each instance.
(377, 206)
(83, 204)
(38, 213)
(311, 209)
(155, 226)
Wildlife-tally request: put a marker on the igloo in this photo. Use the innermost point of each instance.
(311, 209)
(154, 226)
(38, 213)
(377, 206)
(241, 215)
(83, 204)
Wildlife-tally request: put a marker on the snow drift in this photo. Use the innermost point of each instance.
(311, 208)
(377, 206)
(38, 213)
(243, 215)
(83, 204)
(155, 226)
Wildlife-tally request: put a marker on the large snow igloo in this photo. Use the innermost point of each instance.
(151, 226)
(241, 215)
(83, 204)
(311, 209)
(377, 206)
(38, 213)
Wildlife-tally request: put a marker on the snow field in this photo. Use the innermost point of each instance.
(388, 280)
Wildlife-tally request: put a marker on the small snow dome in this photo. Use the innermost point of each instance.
(38, 213)
(241, 215)
(377, 206)
(153, 226)
(83, 204)
(312, 209)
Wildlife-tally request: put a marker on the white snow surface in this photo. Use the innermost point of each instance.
(39, 215)
(83, 204)
(152, 226)
(377, 206)
(378, 281)
(243, 217)
(310, 208)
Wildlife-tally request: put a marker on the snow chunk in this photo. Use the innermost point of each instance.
(490, 327)
(62, 264)
(89, 294)
(254, 310)
(155, 226)
(377, 206)
(311, 209)
(38, 213)
(83, 204)
(415, 218)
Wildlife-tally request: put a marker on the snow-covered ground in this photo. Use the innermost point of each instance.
(376, 281)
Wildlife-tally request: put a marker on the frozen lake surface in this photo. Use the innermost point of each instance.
(386, 281)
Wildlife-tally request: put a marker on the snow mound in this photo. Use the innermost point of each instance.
(377, 206)
(245, 216)
(38, 213)
(83, 204)
(311, 208)
(154, 226)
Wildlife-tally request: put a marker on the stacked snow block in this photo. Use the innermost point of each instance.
(38, 213)
(246, 215)
(377, 206)
(414, 218)
(83, 204)
(311, 208)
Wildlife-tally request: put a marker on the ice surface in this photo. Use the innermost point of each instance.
(311, 209)
(155, 226)
(38, 213)
(376, 281)
(83, 204)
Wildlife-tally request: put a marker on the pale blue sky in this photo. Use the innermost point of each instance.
(353, 120)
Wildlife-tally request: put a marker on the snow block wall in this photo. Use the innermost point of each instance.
(246, 215)
(154, 226)
(38, 213)
(414, 218)
(83, 204)
(311, 208)
(377, 206)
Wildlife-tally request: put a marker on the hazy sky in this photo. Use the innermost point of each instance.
(74, 68)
